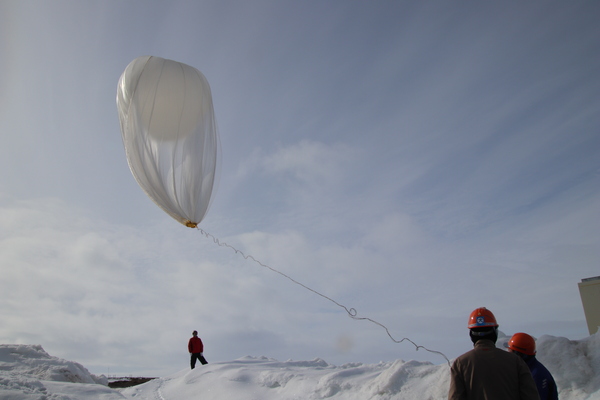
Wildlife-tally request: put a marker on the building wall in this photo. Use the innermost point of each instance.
(589, 290)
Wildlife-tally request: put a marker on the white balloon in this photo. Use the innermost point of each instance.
(170, 135)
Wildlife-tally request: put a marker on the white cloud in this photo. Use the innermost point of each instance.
(313, 163)
(450, 157)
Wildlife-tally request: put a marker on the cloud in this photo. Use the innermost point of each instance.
(312, 163)
(411, 170)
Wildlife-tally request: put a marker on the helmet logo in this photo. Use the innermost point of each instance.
(481, 317)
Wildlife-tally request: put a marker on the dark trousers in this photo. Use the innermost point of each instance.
(197, 356)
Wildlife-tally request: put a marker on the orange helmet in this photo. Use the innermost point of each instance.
(523, 343)
(482, 318)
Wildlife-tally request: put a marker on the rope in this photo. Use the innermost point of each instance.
(352, 313)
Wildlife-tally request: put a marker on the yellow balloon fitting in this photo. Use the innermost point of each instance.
(190, 224)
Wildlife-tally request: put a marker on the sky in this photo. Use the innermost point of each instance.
(411, 160)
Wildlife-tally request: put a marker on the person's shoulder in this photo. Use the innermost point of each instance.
(537, 365)
(465, 356)
(512, 357)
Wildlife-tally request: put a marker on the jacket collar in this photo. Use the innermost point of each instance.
(484, 343)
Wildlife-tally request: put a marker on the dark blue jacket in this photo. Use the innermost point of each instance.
(543, 379)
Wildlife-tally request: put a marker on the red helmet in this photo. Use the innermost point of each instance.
(523, 343)
(482, 318)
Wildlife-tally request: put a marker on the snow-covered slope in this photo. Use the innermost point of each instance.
(28, 373)
(575, 365)
(264, 378)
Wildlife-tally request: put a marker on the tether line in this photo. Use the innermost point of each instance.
(352, 313)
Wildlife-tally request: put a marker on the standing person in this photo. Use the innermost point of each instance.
(486, 372)
(523, 345)
(196, 348)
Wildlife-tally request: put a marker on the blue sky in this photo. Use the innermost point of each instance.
(413, 160)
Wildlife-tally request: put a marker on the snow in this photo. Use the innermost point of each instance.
(27, 372)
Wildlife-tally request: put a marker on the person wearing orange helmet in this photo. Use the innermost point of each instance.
(523, 345)
(487, 372)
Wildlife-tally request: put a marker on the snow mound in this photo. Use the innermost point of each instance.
(575, 365)
(33, 361)
(27, 372)
(265, 378)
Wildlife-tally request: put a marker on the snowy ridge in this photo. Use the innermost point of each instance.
(574, 364)
(34, 362)
(29, 373)
(264, 378)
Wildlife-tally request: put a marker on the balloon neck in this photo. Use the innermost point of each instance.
(190, 224)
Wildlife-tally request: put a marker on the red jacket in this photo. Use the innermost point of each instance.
(195, 345)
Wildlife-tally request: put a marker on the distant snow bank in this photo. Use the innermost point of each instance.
(575, 365)
(33, 361)
(29, 373)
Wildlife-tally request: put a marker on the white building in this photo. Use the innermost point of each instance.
(589, 290)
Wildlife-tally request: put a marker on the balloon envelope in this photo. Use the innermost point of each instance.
(170, 135)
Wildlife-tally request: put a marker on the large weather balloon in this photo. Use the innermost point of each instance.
(170, 135)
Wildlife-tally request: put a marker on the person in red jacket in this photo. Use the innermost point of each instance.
(196, 348)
